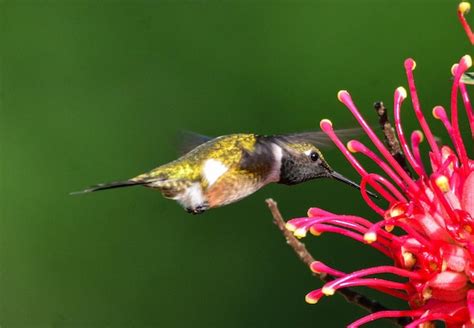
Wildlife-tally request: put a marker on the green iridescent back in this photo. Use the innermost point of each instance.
(227, 149)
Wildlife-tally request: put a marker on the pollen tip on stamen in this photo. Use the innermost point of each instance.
(370, 237)
(437, 112)
(419, 134)
(389, 227)
(396, 211)
(402, 92)
(315, 232)
(311, 300)
(427, 294)
(444, 266)
(443, 183)
(328, 291)
(315, 266)
(464, 7)
(409, 260)
(350, 146)
(290, 227)
(410, 64)
(299, 233)
(342, 94)
(467, 60)
(454, 68)
(325, 124)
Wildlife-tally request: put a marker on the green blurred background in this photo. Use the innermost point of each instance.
(94, 91)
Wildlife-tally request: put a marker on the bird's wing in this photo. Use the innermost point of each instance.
(170, 188)
(318, 138)
(188, 140)
(260, 159)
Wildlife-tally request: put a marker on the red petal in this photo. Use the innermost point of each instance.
(448, 280)
(449, 295)
(455, 257)
(470, 304)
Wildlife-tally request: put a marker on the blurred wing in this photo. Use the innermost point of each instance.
(188, 140)
(319, 138)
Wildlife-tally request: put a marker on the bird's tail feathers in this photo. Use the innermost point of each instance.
(110, 185)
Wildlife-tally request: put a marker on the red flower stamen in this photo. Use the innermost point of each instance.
(440, 114)
(429, 318)
(468, 106)
(409, 68)
(463, 9)
(320, 267)
(385, 314)
(375, 270)
(459, 70)
(416, 139)
(400, 95)
(356, 146)
(346, 99)
(369, 282)
(326, 126)
(368, 178)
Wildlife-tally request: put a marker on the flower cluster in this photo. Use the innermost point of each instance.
(427, 226)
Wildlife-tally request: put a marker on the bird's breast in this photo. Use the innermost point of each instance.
(231, 187)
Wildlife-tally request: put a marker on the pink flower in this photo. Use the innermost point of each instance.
(433, 249)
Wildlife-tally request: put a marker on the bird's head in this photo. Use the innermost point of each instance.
(302, 161)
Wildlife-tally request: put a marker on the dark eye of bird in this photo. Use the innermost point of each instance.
(314, 156)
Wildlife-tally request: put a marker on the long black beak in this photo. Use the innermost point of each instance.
(351, 183)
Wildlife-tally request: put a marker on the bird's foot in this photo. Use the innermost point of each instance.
(198, 209)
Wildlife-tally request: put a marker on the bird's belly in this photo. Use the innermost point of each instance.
(191, 197)
(224, 193)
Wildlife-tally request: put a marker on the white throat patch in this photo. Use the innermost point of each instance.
(277, 154)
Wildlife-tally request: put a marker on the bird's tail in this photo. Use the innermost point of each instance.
(110, 185)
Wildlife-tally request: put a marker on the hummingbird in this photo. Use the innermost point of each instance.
(218, 171)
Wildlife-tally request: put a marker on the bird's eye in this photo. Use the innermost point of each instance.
(314, 156)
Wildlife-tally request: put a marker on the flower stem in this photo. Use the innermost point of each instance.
(390, 138)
